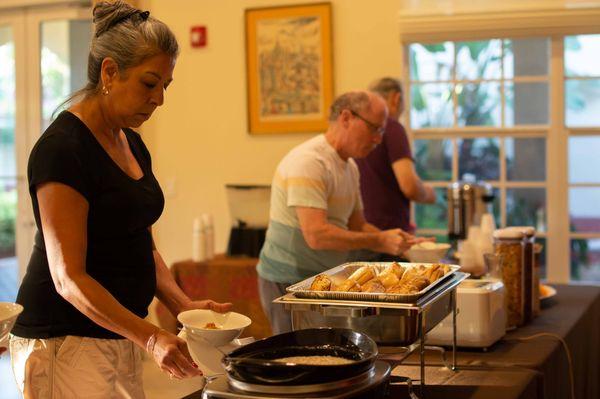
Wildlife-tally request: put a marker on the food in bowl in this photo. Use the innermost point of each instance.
(315, 360)
(231, 325)
(8, 315)
(211, 326)
(427, 252)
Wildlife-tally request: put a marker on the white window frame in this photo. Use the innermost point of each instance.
(555, 24)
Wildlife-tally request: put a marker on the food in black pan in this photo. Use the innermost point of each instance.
(260, 362)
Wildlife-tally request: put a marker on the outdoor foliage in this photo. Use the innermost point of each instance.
(8, 215)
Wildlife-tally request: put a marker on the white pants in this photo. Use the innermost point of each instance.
(77, 367)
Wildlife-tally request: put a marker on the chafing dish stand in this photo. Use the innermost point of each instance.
(387, 323)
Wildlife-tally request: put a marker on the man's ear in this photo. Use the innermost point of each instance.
(345, 117)
(109, 72)
(394, 98)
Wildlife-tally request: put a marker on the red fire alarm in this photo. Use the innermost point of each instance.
(198, 36)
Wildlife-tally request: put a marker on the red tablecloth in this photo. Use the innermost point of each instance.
(223, 279)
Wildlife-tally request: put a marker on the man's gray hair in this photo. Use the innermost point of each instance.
(357, 101)
(385, 86)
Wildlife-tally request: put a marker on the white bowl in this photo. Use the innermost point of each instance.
(231, 325)
(428, 254)
(8, 315)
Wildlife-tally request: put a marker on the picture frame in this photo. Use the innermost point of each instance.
(289, 68)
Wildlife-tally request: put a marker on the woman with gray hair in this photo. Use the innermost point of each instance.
(94, 268)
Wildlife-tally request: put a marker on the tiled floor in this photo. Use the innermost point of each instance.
(157, 384)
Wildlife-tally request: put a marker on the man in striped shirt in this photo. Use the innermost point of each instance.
(316, 215)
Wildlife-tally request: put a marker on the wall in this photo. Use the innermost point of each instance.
(199, 140)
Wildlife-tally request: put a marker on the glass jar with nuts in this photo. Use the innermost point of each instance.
(510, 244)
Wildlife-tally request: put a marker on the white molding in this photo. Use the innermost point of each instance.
(557, 200)
(16, 4)
(505, 24)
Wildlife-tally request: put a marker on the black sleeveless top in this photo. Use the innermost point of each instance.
(119, 245)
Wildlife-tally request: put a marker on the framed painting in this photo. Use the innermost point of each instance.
(289, 68)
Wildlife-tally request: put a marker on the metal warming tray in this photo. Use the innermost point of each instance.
(388, 323)
(342, 272)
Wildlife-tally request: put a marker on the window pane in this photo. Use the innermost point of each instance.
(478, 60)
(584, 162)
(65, 47)
(542, 256)
(525, 159)
(581, 55)
(582, 102)
(479, 104)
(526, 57)
(431, 62)
(433, 159)
(431, 106)
(433, 216)
(584, 210)
(7, 103)
(526, 104)
(9, 269)
(479, 157)
(585, 259)
(526, 207)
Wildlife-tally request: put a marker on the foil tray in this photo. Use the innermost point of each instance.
(342, 272)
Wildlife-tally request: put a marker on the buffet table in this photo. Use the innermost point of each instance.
(512, 368)
(223, 279)
(573, 315)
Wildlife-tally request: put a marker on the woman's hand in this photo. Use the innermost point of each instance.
(208, 304)
(172, 355)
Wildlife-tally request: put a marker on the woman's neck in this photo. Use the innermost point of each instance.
(94, 116)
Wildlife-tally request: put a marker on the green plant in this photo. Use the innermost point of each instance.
(8, 216)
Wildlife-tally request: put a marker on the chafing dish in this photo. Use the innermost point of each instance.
(387, 323)
(342, 272)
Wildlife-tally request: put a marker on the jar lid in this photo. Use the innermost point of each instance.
(529, 231)
(508, 233)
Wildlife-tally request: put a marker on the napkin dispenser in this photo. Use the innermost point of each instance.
(249, 209)
(481, 318)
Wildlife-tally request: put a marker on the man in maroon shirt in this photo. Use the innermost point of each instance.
(388, 179)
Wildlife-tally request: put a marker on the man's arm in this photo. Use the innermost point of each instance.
(357, 222)
(319, 234)
(410, 183)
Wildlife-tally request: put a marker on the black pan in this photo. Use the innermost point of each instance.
(254, 363)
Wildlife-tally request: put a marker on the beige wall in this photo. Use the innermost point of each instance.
(199, 140)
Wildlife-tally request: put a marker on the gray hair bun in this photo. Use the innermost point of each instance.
(108, 14)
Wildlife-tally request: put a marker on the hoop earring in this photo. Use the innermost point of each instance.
(104, 90)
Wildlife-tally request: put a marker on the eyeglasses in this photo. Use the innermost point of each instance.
(375, 129)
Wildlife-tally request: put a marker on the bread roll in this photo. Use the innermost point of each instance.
(412, 272)
(321, 283)
(436, 275)
(403, 288)
(348, 286)
(420, 282)
(388, 279)
(373, 285)
(394, 268)
(362, 274)
(430, 271)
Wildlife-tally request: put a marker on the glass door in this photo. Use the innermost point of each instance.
(11, 156)
(43, 58)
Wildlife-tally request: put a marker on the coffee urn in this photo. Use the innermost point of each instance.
(467, 202)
